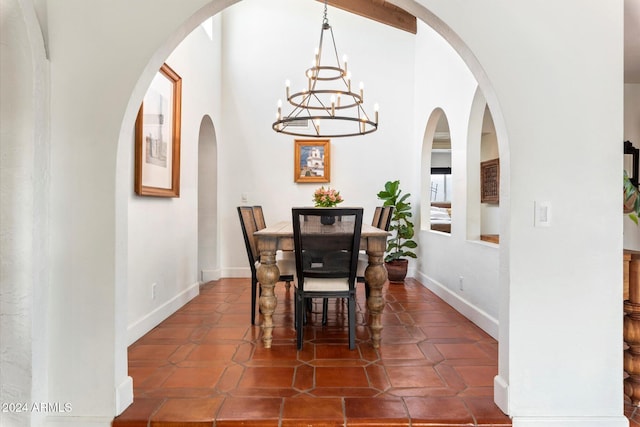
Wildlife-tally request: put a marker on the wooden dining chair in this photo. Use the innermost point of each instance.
(286, 264)
(258, 213)
(332, 276)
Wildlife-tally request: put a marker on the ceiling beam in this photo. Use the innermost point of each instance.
(380, 11)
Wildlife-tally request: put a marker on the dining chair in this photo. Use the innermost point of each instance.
(286, 264)
(334, 274)
(376, 216)
(258, 213)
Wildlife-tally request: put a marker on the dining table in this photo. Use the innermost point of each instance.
(279, 237)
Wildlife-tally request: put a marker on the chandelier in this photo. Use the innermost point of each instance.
(327, 107)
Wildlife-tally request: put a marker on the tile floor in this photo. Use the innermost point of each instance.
(206, 366)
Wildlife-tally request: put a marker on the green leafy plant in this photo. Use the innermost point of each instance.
(631, 199)
(400, 243)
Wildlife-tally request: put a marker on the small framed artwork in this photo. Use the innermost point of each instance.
(312, 161)
(157, 137)
(490, 181)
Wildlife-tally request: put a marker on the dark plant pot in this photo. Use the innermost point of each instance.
(397, 270)
(327, 220)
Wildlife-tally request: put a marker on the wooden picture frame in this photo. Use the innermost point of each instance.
(490, 181)
(157, 137)
(312, 160)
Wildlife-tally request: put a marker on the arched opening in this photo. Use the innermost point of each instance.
(440, 173)
(208, 257)
(440, 126)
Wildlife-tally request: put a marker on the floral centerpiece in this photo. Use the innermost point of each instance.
(327, 198)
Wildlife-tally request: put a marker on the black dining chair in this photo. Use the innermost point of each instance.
(333, 275)
(286, 264)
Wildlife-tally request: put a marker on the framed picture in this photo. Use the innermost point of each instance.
(490, 181)
(157, 137)
(312, 161)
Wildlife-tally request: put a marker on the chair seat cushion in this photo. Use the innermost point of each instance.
(363, 262)
(286, 263)
(312, 284)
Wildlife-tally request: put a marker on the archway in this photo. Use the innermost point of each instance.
(208, 258)
(158, 58)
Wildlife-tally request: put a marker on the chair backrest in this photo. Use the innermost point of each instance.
(326, 251)
(248, 224)
(385, 218)
(258, 214)
(376, 216)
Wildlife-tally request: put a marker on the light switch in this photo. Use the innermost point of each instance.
(542, 214)
(244, 198)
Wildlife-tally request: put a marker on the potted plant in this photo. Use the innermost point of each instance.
(631, 199)
(400, 244)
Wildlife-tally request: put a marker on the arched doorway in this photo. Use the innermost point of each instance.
(208, 258)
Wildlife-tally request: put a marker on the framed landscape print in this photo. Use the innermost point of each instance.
(312, 162)
(157, 137)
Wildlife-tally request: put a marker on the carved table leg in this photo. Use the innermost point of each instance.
(375, 276)
(268, 274)
(632, 333)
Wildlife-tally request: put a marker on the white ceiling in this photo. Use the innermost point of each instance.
(632, 41)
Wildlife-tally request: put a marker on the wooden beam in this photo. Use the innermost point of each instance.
(379, 11)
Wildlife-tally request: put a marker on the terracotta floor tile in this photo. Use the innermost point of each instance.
(206, 363)
(152, 351)
(139, 413)
(250, 408)
(414, 376)
(438, 410)
(304, 410)
(193, 377)
(216, 334)
(387, 412)
(343, 377)
(265, 377)
(485, 411)
(213, 352)
(461, 351)
(401, 351)
(477, 376)
(197, 412)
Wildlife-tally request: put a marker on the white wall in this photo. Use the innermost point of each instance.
(632, 133)
(447, 83)
(163, 232)
(263, 47)
(555, 283)
(24, 228)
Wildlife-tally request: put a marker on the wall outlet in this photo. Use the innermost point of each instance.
(153, 290)
(461, 283)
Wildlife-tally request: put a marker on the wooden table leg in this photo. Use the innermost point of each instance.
(268, 274)
(375, 276)
(632, 333)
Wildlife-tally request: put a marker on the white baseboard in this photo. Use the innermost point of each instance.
(151, 320)
(238, 272)
(618, 421)
(124, 395)
(501, 393)
(470, 311)
(209, 275)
